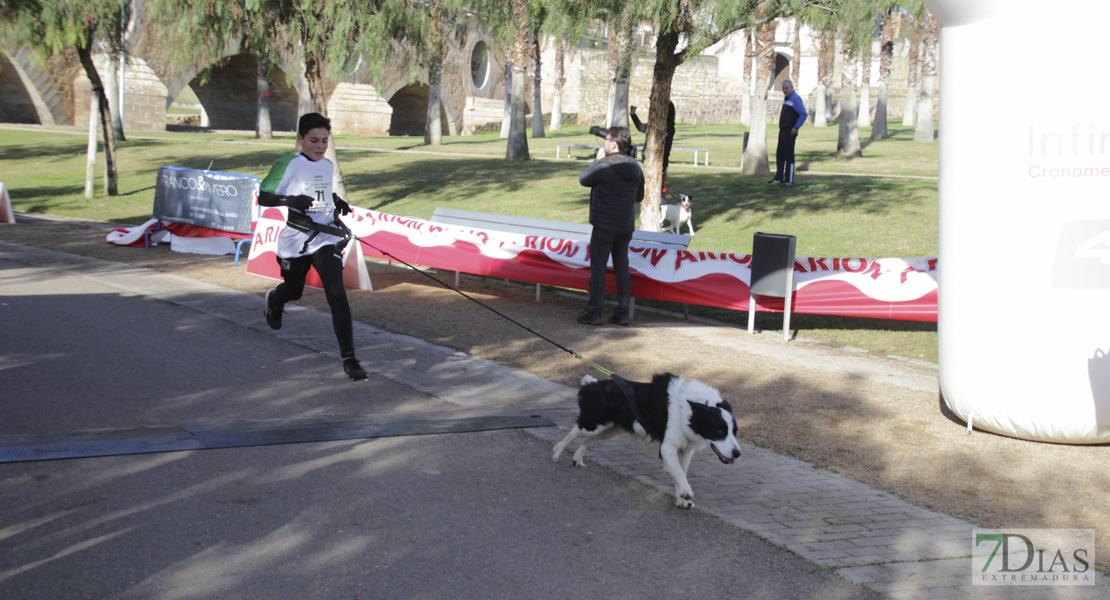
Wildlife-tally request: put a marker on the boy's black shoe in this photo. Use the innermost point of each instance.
(589, 318)
(273, 309)
(353, 369)
(620, 317)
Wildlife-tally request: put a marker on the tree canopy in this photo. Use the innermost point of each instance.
(333, 37)
(54, 26)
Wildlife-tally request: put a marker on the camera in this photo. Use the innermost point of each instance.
(603, 133)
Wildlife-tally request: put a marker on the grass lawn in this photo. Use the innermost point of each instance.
(833, 210)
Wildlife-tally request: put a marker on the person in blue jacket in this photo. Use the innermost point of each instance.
(616, 185)
(791, 118)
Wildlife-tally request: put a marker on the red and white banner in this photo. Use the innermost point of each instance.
(887, 288)
(263, 257)
(182, 238)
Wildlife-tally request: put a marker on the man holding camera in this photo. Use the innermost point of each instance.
(617, 185)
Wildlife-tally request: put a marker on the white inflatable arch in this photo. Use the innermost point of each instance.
(1024, 272)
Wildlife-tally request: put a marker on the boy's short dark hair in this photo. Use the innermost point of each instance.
(623, 138)
(310, 121)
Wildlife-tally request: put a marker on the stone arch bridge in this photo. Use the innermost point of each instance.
(707, 89)
(55, 91)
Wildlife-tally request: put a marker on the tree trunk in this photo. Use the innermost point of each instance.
(613, 62)
(796, 61)
(560, 81)
(621, 77)
(112, 86)
(863, 118)
(886, 57)
(304, 97)
(507, 114)
(537, 89)
(865, 91)
(122, 94)
(662, 77)
(909, 115)
(824, 81)
(924, 131)
(314, 74)
(847, 143)
(110, 186)
(836, 89)
(746, 81)
(755, 159)
(90, 154)
(433, 124)
(878, 128)
(620, 105)
(923, 128)
(263, 128)
(820, 105)
(517, 146)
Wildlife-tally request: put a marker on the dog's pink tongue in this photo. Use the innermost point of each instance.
(722, 457)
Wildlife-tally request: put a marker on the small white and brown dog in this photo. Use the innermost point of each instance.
(677, 214)
(683, 416)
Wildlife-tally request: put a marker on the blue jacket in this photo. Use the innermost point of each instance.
(793, 112)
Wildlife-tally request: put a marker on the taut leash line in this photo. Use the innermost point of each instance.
(621, 383)
(606, 372)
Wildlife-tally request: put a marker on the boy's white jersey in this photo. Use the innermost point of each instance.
(295, 175)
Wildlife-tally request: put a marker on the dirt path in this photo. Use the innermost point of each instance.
(875, 420)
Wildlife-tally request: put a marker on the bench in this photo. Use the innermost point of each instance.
(579, 232)
(559, 147)
(695, 151)
(640, 149)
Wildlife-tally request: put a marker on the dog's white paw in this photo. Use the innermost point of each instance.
(557, 451)
(578, 462)
(683, 503)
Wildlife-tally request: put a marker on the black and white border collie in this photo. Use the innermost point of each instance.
(688, 415)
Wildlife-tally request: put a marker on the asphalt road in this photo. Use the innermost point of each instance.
(458, 515)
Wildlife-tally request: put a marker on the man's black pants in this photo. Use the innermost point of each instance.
(602, 245)
(784, 157)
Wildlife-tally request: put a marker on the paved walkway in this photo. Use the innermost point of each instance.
(865, 535)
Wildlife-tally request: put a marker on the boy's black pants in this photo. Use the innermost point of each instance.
(328, 262)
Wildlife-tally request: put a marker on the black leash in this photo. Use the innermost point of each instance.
(631, 397)
(621, 383)
(302, 222)
(607, 372)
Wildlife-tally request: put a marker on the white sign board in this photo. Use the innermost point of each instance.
(1024, 279)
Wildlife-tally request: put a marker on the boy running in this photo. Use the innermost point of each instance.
(313, 236)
